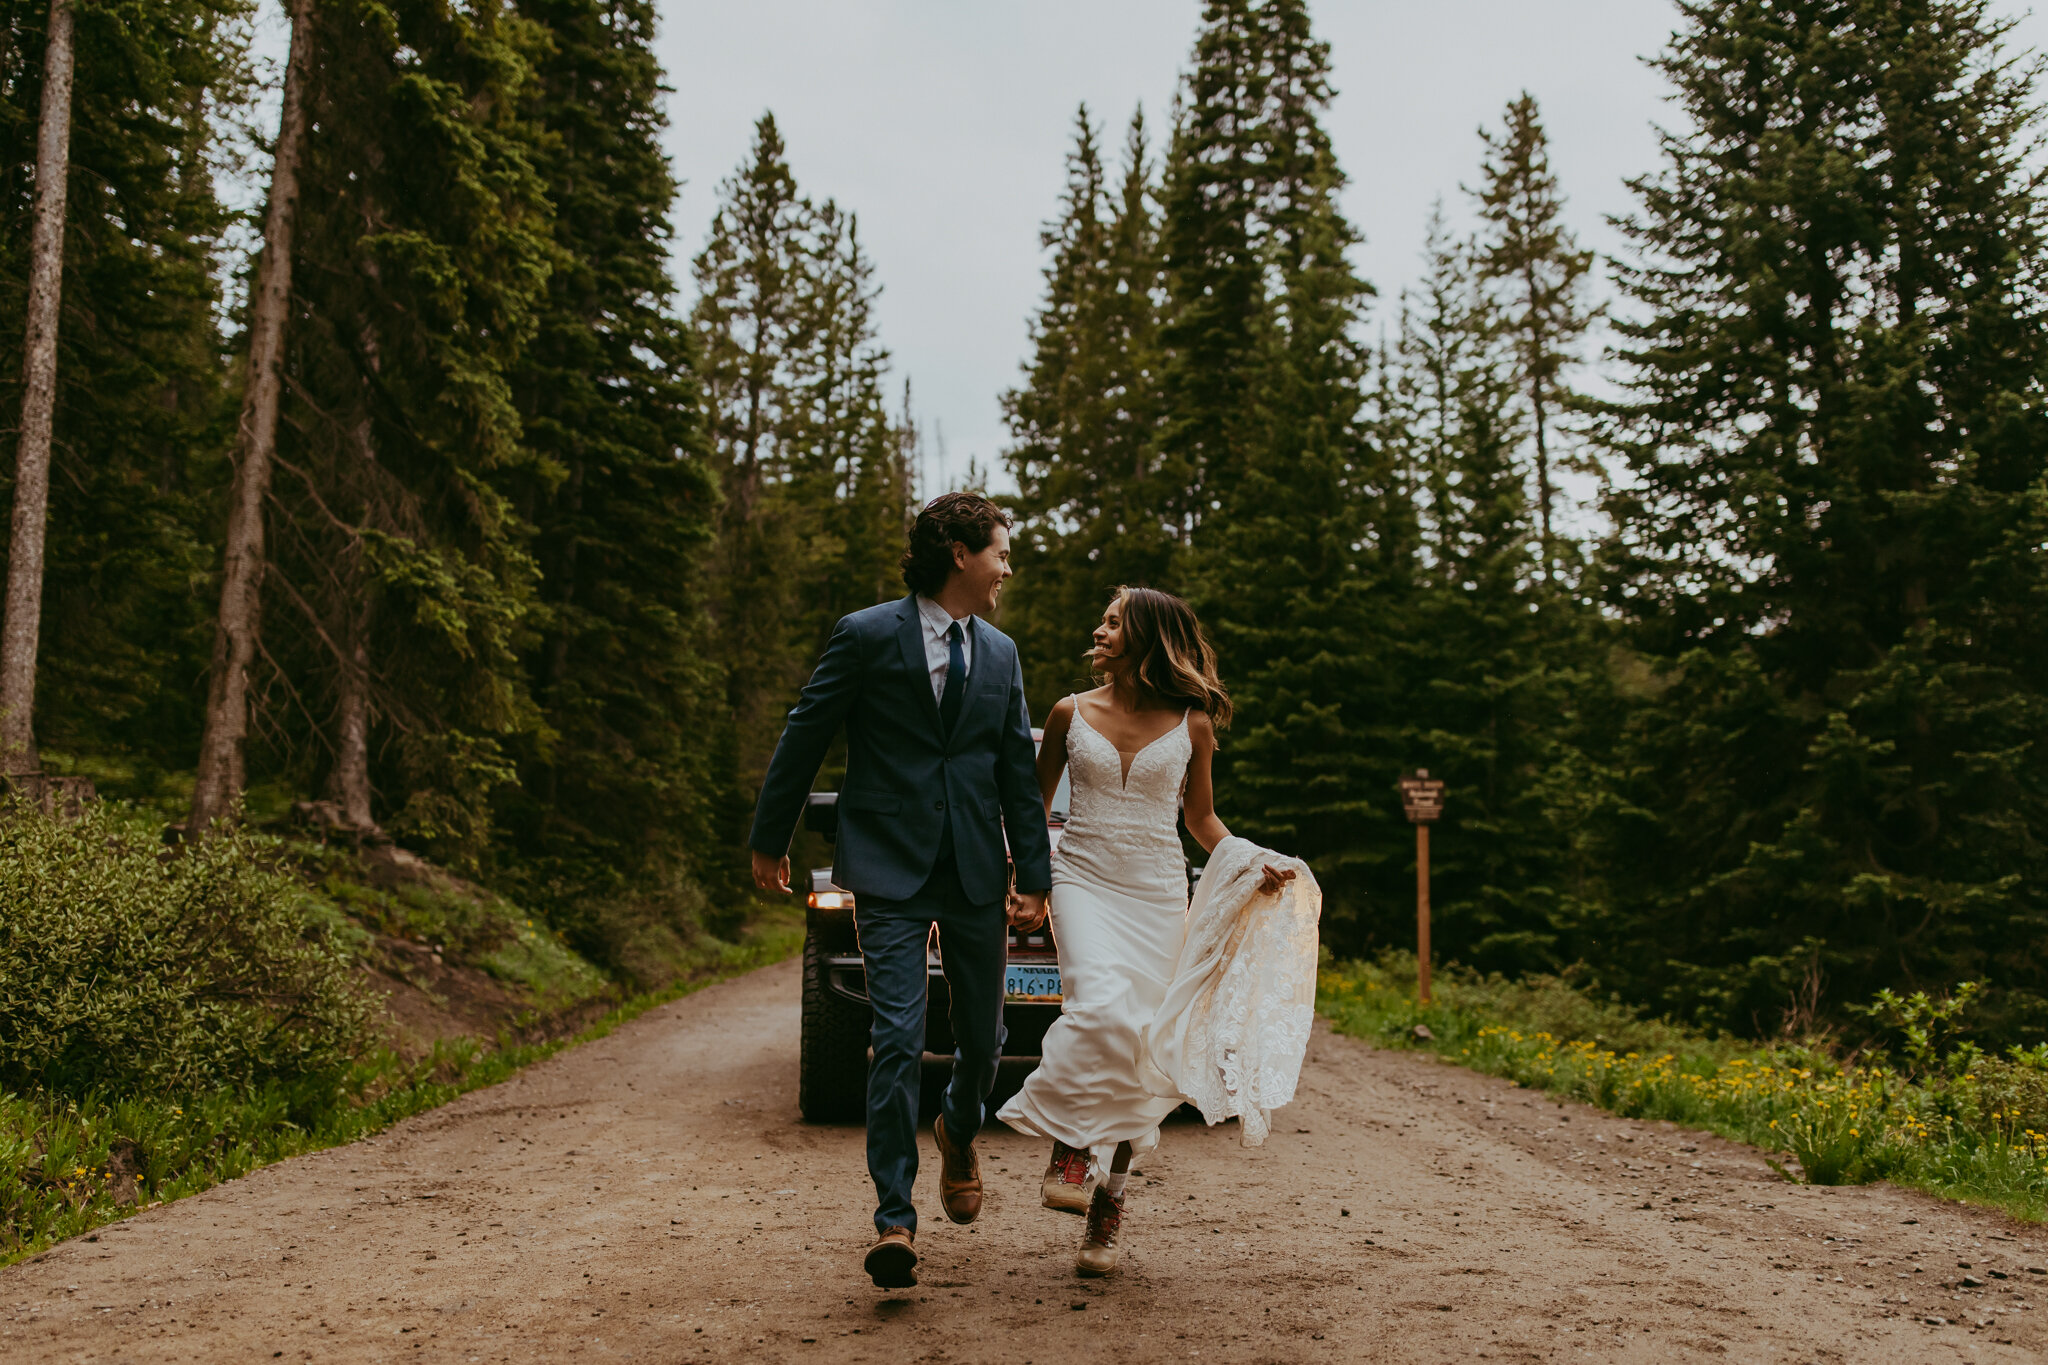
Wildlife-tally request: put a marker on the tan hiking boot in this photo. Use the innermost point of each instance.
(1065, 1186)
(892, 1261)
(959, 1177)
(1098, 1247)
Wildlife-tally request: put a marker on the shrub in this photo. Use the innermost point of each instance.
(126, 966)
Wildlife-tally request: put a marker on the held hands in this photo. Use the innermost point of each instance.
(771, 874)
(1270, 884)
(1025, 909)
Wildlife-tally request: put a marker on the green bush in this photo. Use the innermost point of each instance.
(127, 966)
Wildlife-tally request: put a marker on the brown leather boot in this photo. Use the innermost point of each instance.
(1065, 1186)
(892, 1261)
(1098, 1247)
(959, 1177)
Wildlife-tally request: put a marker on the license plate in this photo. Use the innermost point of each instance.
(1033, 983)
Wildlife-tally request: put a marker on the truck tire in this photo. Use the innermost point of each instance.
(832, 1056)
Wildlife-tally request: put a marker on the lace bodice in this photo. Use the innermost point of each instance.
(1125, 828)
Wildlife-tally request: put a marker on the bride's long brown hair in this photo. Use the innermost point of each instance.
(1170, 657)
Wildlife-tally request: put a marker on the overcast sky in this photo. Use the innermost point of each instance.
(943, 124)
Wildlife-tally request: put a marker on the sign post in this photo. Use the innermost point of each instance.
(1423, 798)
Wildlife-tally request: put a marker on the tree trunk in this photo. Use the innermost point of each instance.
(349, 784)
(24, 611)
(241, 589)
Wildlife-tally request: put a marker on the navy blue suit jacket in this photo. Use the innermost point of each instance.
(905, 779)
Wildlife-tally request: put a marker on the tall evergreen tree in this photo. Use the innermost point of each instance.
(1538, 271)
(750, 320)
(1491, 665)
(1264, 381)
(1093, 510)
(814, 479)
(141, 394)
(425, 248)
(1835, 437)
(845, 460)
(612, 811)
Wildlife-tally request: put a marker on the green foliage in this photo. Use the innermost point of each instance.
(125, 967)
(1494, 671)
(1092, 503)
(1262, 379)
(1832, 467)
(613, 785)
(814, 471)
(71, 1163)
(143, 399)
(400, 590)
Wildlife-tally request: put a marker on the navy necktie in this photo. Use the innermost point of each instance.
(956, 680)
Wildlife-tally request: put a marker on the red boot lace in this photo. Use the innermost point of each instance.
(1072, 1164)
(1105, 1218)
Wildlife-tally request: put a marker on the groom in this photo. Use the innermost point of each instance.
(939, 764)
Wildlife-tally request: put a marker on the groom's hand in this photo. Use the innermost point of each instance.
(771, 874)
(1026, 909)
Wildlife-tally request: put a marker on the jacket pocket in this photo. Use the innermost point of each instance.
(878, 803)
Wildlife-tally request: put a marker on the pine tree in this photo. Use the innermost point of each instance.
(813, 471)
(1265, 381)
(611, 818)
(1835, 440)
(749, 320)
(238, 628)
(1538, 271)
(845, 461)
(425, 248)
(142, 399)
(1093, 510)
(1492, 665)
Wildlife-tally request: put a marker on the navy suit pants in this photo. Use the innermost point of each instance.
(974, 946)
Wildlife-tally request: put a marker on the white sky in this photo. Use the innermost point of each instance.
(944, 124)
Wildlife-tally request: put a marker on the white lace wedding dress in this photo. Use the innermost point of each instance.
(1120, 919)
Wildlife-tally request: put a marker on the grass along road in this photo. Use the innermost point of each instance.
(652, 1195)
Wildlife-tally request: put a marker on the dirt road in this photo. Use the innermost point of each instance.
(653, 1196)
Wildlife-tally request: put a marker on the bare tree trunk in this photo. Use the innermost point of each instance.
(241, 589)
(24, 612)
(349, 784)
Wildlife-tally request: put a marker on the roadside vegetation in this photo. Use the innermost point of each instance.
(170, 1020)
(1909, 1098)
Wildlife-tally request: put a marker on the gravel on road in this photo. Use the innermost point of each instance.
(653, 1196)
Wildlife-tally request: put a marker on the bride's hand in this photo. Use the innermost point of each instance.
(1026, 910)
(1275, 878)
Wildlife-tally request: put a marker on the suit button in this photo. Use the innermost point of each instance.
(938, 805)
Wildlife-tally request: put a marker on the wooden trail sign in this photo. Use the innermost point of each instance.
(1423, 798)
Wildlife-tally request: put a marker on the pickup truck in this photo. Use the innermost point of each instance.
(832, 1071)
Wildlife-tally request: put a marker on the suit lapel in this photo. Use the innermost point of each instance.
(910, 635)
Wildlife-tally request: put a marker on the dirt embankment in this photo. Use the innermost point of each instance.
(652, 1195)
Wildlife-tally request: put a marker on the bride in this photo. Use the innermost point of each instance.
(1140, 747)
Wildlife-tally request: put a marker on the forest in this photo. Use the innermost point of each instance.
(445, 498)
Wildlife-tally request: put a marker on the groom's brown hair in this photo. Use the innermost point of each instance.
(967, 518)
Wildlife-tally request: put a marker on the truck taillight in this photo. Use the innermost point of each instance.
(831, 900)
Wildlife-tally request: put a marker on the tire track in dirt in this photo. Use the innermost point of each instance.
(652, 1196)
